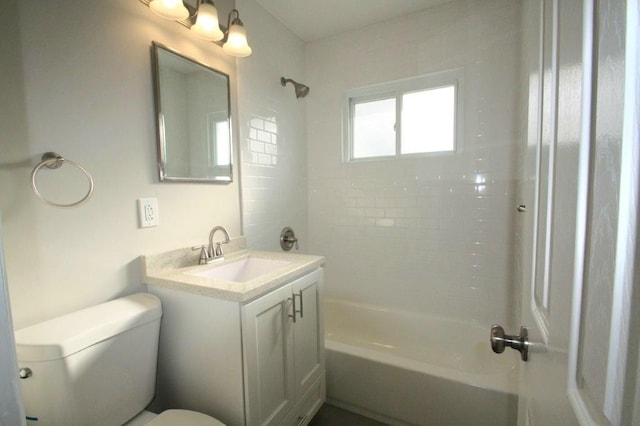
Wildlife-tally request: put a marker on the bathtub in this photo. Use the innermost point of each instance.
(408, 368)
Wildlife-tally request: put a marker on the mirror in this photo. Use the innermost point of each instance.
(193, 119)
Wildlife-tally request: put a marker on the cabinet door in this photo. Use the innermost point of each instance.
(268, 353)
(308, 330)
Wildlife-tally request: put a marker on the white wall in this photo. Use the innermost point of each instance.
(272, 132)
(76, 79)
(78, 82)
(433, 234)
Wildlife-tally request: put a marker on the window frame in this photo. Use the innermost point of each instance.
(396, 89)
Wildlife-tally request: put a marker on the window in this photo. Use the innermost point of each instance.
(373, 128)
(420, 115)
(219, 140)
(223, 146)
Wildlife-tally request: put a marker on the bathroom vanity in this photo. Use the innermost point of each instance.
(241, 339)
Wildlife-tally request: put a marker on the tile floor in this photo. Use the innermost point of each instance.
(330, 415)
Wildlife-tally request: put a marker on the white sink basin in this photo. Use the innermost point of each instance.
(241, 270)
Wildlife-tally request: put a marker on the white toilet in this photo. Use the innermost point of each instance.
(96, 366)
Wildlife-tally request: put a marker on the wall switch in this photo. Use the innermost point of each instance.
(148, 212)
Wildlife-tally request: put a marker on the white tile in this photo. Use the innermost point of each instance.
(444, 233)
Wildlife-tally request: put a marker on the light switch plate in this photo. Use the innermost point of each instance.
(148, 212)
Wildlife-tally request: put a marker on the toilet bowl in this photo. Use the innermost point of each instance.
(96, 366)
(173, 418)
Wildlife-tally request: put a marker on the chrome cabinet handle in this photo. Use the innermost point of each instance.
(499, 341)
(301, 312)
(295, 311)
(293, 300)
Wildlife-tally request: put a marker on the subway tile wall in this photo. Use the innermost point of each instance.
(272, 132)
(433, 234)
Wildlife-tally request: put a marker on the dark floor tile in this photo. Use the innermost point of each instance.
(330, 415)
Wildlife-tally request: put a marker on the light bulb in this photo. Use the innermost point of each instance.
(207, 25)
(169, 9)
(236, 44)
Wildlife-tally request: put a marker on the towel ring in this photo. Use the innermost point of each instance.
(52, 160)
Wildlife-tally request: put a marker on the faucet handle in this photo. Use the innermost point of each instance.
(204, 254)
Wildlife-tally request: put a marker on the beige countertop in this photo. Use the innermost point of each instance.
(174, 270)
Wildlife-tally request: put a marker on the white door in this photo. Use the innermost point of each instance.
(268, 350)
(11, 409)
(579, 231)
(308, 330)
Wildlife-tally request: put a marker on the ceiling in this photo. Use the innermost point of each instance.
(315, 19)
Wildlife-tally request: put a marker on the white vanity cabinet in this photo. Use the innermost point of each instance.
(245, 363)
(284, 353)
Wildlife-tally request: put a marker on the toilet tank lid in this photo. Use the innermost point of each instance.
(63, 336)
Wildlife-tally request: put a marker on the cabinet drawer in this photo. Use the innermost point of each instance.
(308, 405)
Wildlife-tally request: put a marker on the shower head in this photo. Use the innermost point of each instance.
(301, 89)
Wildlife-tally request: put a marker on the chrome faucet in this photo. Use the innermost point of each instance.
(216, 253)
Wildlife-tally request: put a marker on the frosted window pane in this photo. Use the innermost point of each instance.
(428, 121)
(373, 128)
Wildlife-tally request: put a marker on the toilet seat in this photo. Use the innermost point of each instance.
(183, 418)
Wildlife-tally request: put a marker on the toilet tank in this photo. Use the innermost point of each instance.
(96, 366)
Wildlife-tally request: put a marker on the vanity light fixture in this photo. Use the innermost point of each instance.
(236, 44)
(204, 22)
(169, 9)
(207, 25)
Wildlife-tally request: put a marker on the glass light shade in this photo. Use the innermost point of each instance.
(169, 9)
(207, 25)
(236, 44)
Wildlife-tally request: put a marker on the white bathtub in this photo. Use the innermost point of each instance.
(407, 368)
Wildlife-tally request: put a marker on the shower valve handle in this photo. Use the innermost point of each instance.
(288, 239)
(499, 341)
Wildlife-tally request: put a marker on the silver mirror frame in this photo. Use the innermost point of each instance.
(161, 125)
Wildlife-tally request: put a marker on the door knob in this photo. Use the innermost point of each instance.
(499, 341)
